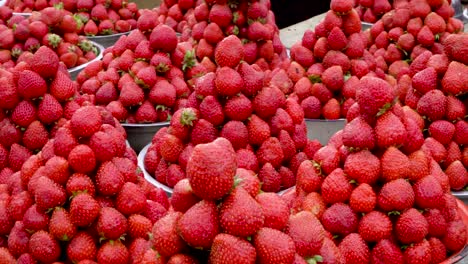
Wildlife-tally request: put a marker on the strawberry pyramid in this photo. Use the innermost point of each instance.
(33, 99)
(140, 79)
(218, 219)
(86, 17)
(82, 199)
(236, 102)
(208, 22)
(375, 189)
(329, 62)
(404, 33)
(22, 37)
(436, 88)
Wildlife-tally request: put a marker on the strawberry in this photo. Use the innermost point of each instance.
(113, 252)
(307, 233)
(60, 226)
(211, 110)
(274, 210)
(337, 39)
(363, 199)
(111, 224)
(238, 108)
(49, 110)
(340, 219)
(236, 132)
(375, 226)
(273, 246)
(230, 249)
(81, 247)
(396, 195)
(270, 178)
(228, 81)
(418, 253)
(267, 101)
(62, 88)
(354, 249)
(86, 121)
(241, 225)
(327, 158)
(453, 80)
(330, 252)
(336, 187)
(165, 238)
(18, 239)
(103, 145)
(35, 136)
(386, 251)
(45, 62)
(249, 181)
(307, 176)
(363, 167)
(395, 164)
(358, 134)
(229, 52)
(131, 199)
(44, 247)
(31, 85)
(389, 131)
(48, 194)
(18, 205)
(455, 238)
(24, 114)
(17, 156)
(271, 152)
(199, 225)
(374, 97)
(259, 130)
(457, 175)
(428, 192)
(163, 38)
(411, 227)
(84, 209)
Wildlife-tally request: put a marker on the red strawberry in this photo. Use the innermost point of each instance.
(131, 199)
(35, 136)
(43, 247)
(267, 101)
(165, 238)
(336, 187)
(111, 224)
(81, 247)
(24, 114)
(418, 253)
(380, 92)
(275, 210)
(389, 131)
(31, 85)
(363, 167)
(396, 195)
(48, 194)
(228, 81)
(60, 226)
(358, 134)
(62, 88)
(238, 108)
(45, 62)
(229, 52)
(18, 239)
(230, 249)
(411, 227)
(199, 225)
(454, 79)
(307, 233)
(395, 164)
(386, 251)
(84, 209)
(375, 226)
(354, 249)
(244, 224)
(363, 199)
(271, 152)
(340, 219)
(113, 252)
(273, 246)
(163, 38)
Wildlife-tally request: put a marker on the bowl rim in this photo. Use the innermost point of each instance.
(98, 57)
(313, 120)
(148, 177)
(161, 124)
(101, 37)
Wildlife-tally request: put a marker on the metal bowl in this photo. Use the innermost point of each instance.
(323, 129)
(26, 15)
(107, 40)
(462, 195)
(458, 7)
(366, 25)
(148, 177)
(76, 70)
(139, 135)
(465, 15)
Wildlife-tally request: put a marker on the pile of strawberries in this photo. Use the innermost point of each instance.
(34, 100)
(236, 102)
(208, 22)
(20, 37)
(218, 220)
(329, 62)
(81, 198)
(377, 192)
(140, 79)
(86, 17)
(372, 10)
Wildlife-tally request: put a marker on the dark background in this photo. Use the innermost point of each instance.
(289, 12)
